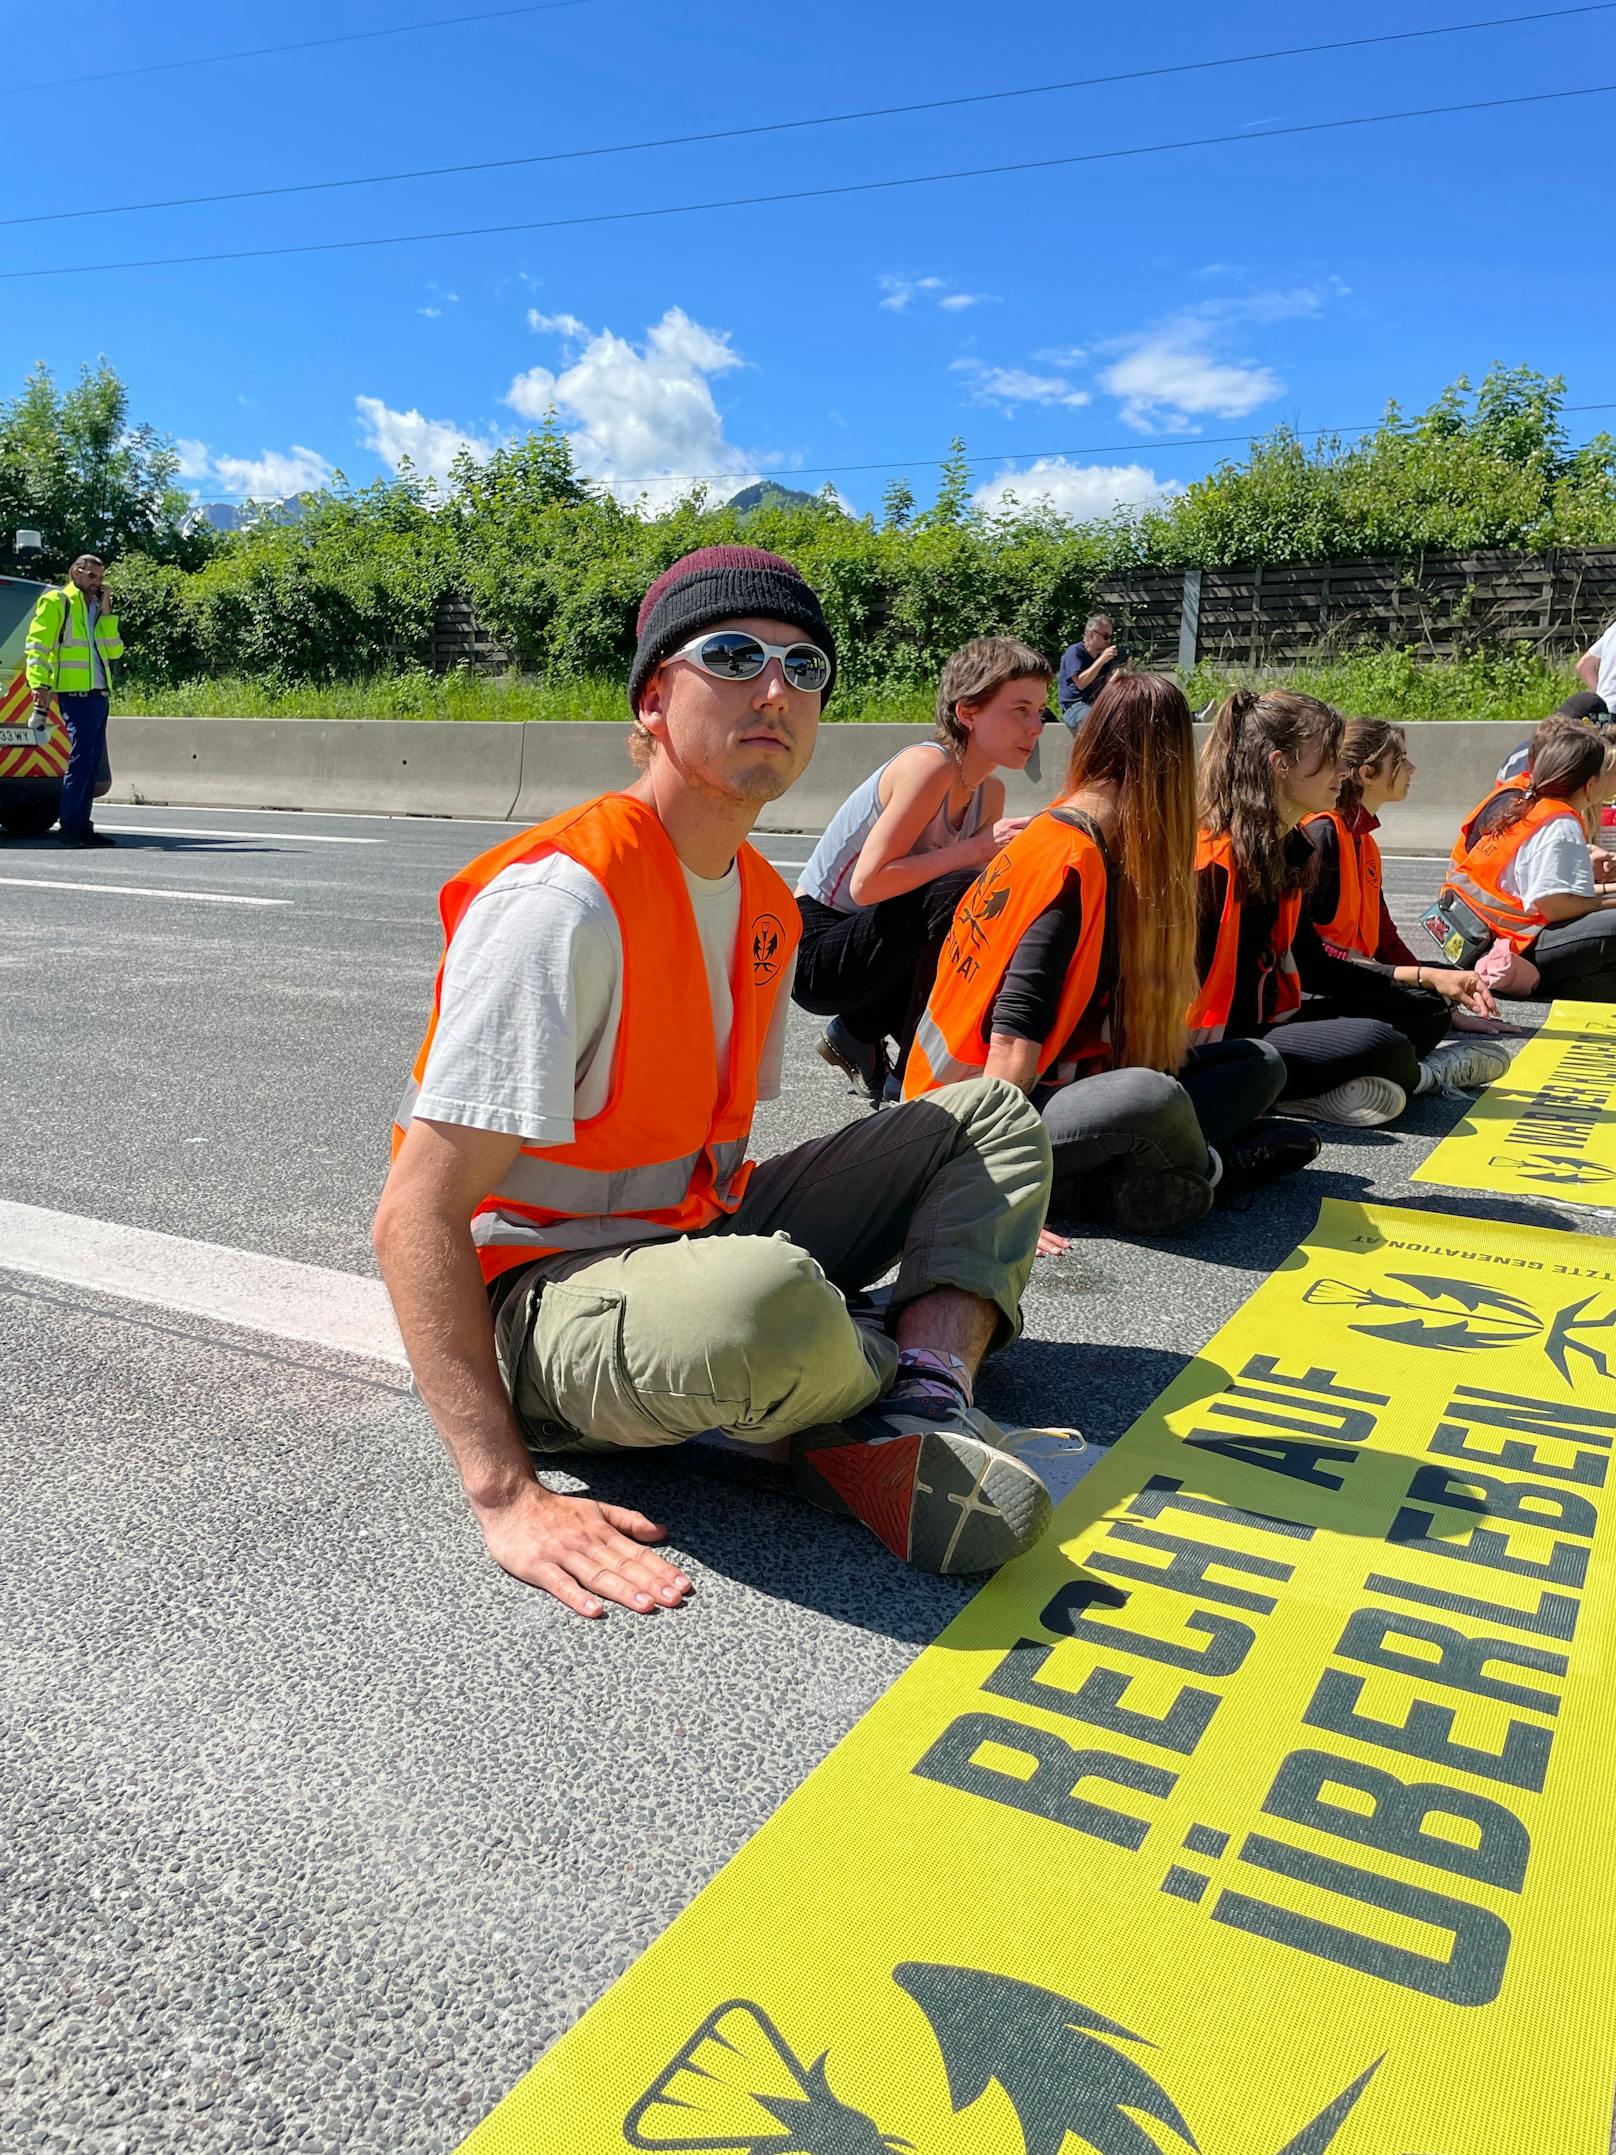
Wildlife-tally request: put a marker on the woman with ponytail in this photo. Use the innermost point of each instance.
(1523, 870)
(1068, 970)
(1346, 900)
(1356, 1043)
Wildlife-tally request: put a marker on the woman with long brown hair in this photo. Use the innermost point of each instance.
(1523, 866)
(1356, 1044)
(1068, 971)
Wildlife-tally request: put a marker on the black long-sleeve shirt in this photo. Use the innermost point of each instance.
(1325, 894)
(1322, 972)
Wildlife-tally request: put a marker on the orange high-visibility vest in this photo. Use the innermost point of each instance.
(1017, 885)
(1355, 923)
(1475, 872)
(667, 1153)
(1209, 1013)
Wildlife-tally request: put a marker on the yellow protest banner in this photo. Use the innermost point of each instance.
(1264, 1809)
(1547, 1127)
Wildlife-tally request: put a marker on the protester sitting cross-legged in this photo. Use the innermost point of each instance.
(1069, 968)
(579, 1252)
(878, 894)
(1523, 878)
(1355, 1042)
(1346, 900)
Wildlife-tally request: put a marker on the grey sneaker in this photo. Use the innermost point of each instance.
(1360, 1104)
(1463, 1065)
(937, 1485)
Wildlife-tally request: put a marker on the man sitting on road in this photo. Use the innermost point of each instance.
(580, 1254)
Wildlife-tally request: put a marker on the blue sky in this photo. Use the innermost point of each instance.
(1072, 318)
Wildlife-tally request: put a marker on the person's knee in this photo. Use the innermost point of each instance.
(994, 1114)
(764, 1315)
(1263, 1074)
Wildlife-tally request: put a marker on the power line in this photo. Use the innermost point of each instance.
(307, 44)
(781, 127)
(1152, 442)
(806, 194)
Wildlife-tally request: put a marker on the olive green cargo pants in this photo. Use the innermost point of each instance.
(743, 1327)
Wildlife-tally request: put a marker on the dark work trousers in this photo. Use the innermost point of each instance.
(85, 717)
(1577, 959)
(1131, 1122)
(1368, 1027)
(874, 969)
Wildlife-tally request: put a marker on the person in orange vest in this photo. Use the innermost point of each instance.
(1347, 900)
(1069, 969)
(1523, 869)
(879, 892)
(1356, 1044)
(579, 1250)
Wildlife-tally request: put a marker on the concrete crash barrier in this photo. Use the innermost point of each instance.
(522, 773)
(339, 766)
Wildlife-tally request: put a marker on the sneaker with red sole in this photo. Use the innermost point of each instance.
(941, 1487)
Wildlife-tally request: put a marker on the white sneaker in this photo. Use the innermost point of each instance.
(1463, 1065)
(1360, 1104)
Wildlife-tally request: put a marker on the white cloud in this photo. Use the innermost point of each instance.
(1170, 376)
(1062, 355)
(433, 314)
(430, 444)
(899, 289)
(1078, 491)
(273, 476)
(641, 417)
(193, 456)
(1006, 387)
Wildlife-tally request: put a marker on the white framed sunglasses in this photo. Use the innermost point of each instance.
(737, 655)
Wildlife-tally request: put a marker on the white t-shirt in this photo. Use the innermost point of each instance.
(533, 996)
(1552, 859)
(1605, 652)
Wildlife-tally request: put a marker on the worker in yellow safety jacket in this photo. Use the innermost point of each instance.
(72, 642)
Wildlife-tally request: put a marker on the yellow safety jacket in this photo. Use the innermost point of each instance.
(58, 654)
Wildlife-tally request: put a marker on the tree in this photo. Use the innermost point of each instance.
(72, 468)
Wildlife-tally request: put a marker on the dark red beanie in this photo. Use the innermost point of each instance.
(717, 584)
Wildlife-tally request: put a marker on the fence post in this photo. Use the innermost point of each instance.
(1189, 622)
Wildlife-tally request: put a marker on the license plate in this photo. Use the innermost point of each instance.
(20, 737)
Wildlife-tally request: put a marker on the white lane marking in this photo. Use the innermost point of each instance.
(137, 890)
(169, 830)
(340, 1310)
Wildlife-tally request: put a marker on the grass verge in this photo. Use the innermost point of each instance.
(1517, 685)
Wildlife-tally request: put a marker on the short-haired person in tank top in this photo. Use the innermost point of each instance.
(1069, 971)
(879, 893)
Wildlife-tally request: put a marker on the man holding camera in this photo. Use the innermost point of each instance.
(1086, 667)
(72, 641)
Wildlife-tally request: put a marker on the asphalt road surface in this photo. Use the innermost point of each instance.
(319, 1829)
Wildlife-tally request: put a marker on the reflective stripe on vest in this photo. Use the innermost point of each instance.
(1209, 1013)
(1355, 923)
(667, 1153)
(1477, 868)
(60, 658)
(1017, 885)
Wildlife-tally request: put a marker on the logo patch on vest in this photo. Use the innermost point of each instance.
(768, 940)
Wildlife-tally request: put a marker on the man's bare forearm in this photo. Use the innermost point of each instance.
(431, 1270)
